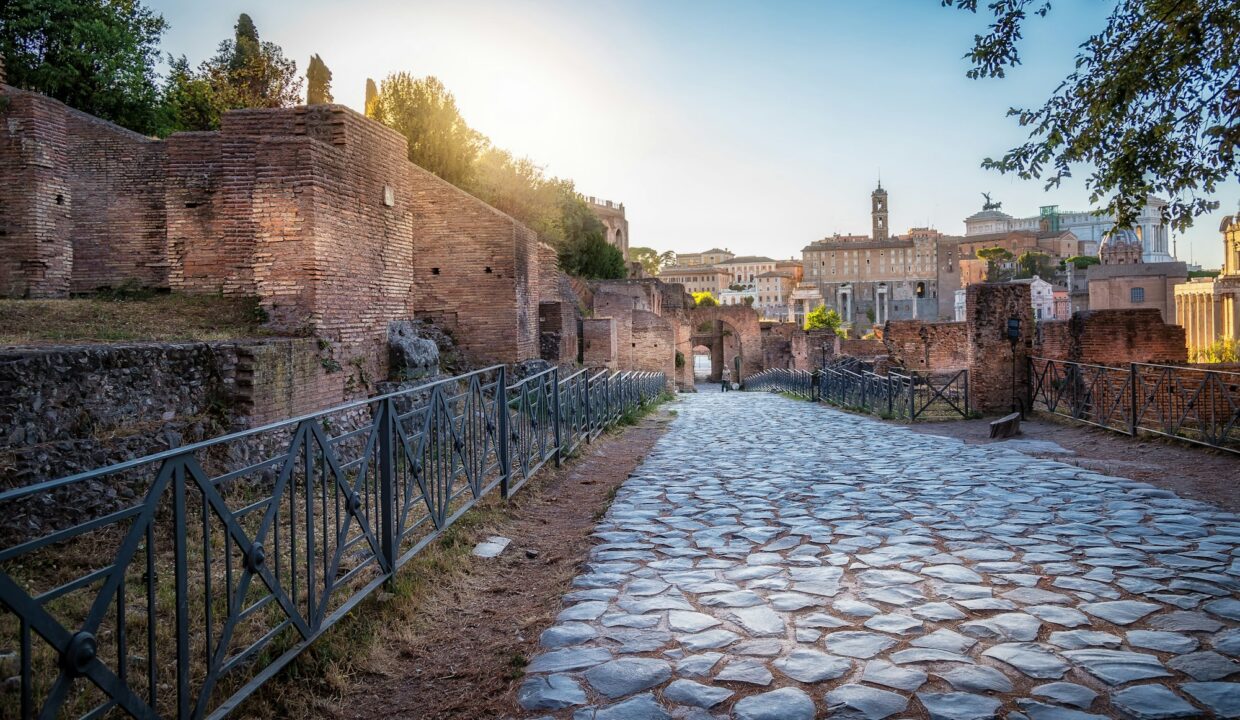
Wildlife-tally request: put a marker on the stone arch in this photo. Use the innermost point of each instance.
(741, 322)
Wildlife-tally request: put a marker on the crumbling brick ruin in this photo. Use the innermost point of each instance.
(313, 210)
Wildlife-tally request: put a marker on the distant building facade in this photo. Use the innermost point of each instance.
(1209, 310)
(714, 256)
(697, 278)
(746, 268)
(1123, 280)
(869, 280)
(1088, 227)
(617, 225)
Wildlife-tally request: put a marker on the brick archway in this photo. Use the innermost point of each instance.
(740, 320)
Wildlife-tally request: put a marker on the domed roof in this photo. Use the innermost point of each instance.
(1117, 238)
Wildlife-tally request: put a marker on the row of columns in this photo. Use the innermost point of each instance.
(1207, 317)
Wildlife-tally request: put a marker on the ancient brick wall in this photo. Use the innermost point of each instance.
(620, 307)
(283, 379)
(998, 369)
(83, 201)
(1112, 337)
(927, 347)
(598, 343)
(558, 310)
(654, 345)
(316, 211)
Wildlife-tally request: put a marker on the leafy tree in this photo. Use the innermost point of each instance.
(592, 257)
(1082, 262)
(189, 100)
(425, 112)
(253, 74)
(1152, 106)
(519, 188)
(1032, 263)
(95, 55)
(747, 300)
(823, 317)
(245, 73)
(705, 299)
(995, 257)
(652, 261)
(318, 82)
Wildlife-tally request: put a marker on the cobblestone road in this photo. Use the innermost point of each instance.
(776, 559)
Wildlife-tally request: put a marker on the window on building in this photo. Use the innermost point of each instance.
(1137, 295)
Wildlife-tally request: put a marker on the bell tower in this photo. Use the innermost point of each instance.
(878, 212)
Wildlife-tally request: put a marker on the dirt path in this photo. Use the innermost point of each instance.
(1191, 471)
(466, 659)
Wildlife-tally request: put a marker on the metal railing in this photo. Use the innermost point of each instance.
(896, 395)
(794, 382)
(1190, 403)
(197, 573)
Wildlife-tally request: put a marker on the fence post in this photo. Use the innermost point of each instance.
(912, 397)
(965, 379)
(589, 417)
(387, 480)
(1029, 393)
(555, 411)
(1133, 412)
(501, 421)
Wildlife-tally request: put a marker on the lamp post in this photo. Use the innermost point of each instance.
(1013, 336)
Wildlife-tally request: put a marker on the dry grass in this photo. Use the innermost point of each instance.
(129, 317)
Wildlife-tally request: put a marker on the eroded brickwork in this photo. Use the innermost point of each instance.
(83, 201)
(927, 347)
(1112, 337)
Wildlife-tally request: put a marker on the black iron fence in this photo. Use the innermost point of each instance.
(203, 570)
(1191, 403)
(896, 395)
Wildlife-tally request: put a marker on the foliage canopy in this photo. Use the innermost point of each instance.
(1152, 105)
(94, 55)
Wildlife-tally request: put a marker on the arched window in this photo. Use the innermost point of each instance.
(1137, 295)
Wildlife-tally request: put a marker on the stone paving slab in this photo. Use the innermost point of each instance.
(774, 558)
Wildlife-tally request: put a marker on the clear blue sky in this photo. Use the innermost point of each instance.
(753, 126)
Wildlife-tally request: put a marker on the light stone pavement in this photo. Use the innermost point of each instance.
(775, 559)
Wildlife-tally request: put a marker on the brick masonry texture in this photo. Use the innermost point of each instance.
(315, 211)
(926, 346)
(83, 201)
(1111, 337)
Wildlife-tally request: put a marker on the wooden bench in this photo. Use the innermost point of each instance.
(1006, 426)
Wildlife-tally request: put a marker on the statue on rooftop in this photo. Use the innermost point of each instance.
(989, 204)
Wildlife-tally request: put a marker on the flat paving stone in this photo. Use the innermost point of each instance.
(1066, 693)
(977, 678)
(1152, 702)
(1222, 698)
(958, 706)
(1029, 658)
(860, 701)
(1204, 666)
(858, 573)
(809, 666)
(688, 692)
(626, 676)
(784, 704)
(550, 692)
(858, 644)
(1116, 667)
(881, 672)
(746, 670)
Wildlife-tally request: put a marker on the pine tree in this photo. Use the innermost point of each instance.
(372, 100)
(319, 82)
